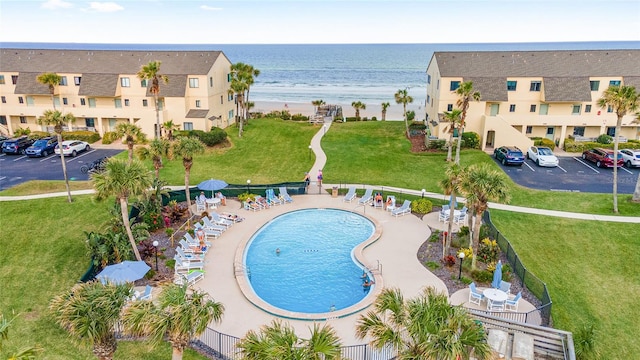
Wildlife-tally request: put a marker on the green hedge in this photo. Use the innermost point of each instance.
(570, 145)
(211, 138)
(109, 137)
(538, 141)
(88, 136)
(35, 135)
(470, 140)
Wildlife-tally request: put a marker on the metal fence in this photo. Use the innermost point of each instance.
(536, 286)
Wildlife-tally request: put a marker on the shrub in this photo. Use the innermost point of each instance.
(245, 196)
(449, 260)
(488, 251)
(435, 236)
(373, 118)
(299, 117)
(416, 125)
(538, 141)
(482, 276)
(604, 139)
(170, 263)
(507, 272)
(458, 241)
(88, 136)
(484, 231)
(109, 137)
(20, 132)
(432, 265)
(351, 118)
(468, 253)
(470, 140)
(421, 206)
(465, 280)
(464, 231)
(35, 135)
(438, 144)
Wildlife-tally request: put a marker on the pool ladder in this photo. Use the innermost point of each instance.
(375, 270)
(239, 269)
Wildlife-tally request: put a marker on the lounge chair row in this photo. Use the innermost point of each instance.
(269, 200)
(368, 198)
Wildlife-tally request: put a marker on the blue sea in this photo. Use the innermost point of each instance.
(339, 73)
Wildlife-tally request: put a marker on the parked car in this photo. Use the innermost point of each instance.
(72, 147)
(602, 157)
(42, 147)
(509, 155)
(16, 145)
(631, 157)
(542, 156)
(2, 140)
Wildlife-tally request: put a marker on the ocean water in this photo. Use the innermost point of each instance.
(340, 73)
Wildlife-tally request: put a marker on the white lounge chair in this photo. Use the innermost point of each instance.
(207, 223)
(219, 220)
(189, 248)
(185, 266)
(391, 203)
(147, 295)
(284, 195)
(230, 217)
(189, 278)
(193, 242)
(272, 199)
(366, 198)
(188, 257)
(444, 214)
(402, 210)
(351, 194)
(252, 206)
(207, 232)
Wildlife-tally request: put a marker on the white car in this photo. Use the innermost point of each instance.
(631, 157)
(72, 147)
(542, 156)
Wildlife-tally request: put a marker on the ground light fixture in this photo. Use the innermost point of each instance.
(248, 183)
(309, 151)
(423, 191)
(461, 256)
(155, 245)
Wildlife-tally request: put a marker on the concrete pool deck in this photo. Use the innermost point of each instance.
(395, 251)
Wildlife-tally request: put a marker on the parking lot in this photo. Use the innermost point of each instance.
(572, 174)
(16, 169)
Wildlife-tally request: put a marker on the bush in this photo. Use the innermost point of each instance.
(435, 236)
(417, 126)
(438, 144)
(488, 251)
(482, 276)
(464, 231)
(35, 135)
(421, 206)
(299, 117)
(507, 272)
(432, 265)
(465, 280)
(449, 260)
(604, 139)
(373, 118)
(109, 137)
(470, 140)
(20, 132)
(538, 141)
(88, 136)
(351, 118)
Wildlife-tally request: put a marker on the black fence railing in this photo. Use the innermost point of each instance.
(536, 286)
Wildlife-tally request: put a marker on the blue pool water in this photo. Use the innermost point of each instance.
(315, 268)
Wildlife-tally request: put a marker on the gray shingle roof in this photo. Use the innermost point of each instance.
(197, 113)
(175, 87)
(491, 89)
(28, 84)
(566, 63)
(632, 81)
(566, 89)
(98, 85)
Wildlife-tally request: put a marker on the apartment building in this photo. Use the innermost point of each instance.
(526, 94)
(101, 89)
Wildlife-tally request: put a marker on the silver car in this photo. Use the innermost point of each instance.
(542, 156)
(631, 157)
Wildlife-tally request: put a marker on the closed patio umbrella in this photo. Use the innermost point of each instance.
(126, 271)
(497, 276)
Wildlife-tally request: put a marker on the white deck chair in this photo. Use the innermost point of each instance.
(284, 195)
(512, 305)
(209, 233)
(182, 265)
(207, 223)
(148, 293)
(351, 194)
(402, 210)
(366, 198)
(219, 220)
(190, 278)
(391, 201)
(188, 257)
(475, 297)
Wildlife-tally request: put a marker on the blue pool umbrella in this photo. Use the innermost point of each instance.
(126, 271)
(497, 275)
(212, 185)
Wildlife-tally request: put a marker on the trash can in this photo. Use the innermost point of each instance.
(334, 191)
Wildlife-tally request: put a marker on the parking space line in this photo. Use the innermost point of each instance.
(585, 164)
(529, 166)
(21, 157)
(620, 167)
(560, 167)
(50, 157)
(2, 177)
(78, 157)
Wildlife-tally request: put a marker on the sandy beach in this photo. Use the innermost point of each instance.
(394, 112)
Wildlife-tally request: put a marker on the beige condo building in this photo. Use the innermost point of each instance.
(526, 94)
(101, 89)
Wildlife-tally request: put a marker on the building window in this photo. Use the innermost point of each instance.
(1, 79)
(532, 108)
(76, 80)
(611, 131)
(63, 81)
(193, 83)
(535, 86)
(20, 99)
(187, 125)
(23, 119)
(30, 101)
(512, 108)
(143, 83)
(595, 85)
(145, 103)
(230, 114)
(511, 85)
(92, 102)
(529, 129)
(124, 82)
(14, 79)
(65, 101)
(228, 77)
(3, 120)
(90, 122)
(56, 101)
(578, 131)
(221, 100)
(210, 81)
(197, 103)
(609, 108)
(587, 108)
(126, 102)
(230, 97)
(454, 85)
(614, 83)
(83, 102)
(428, 79)
(117, 103)
(576, 109)
(449, 107)
(4, 99)
(428, 99)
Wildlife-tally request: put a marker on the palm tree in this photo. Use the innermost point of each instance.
(623, 99)
(466, 94)
(248, 73)
(402, 97)
(55, 118)
(89, 311)
(151, 71)
(180, 315)
(385, 106)
(279, 341)
(169, 127)
(451, 186)
(453, 118)
(187, 148)
(132, 134)
(51, 80)
(243, 75)
(424, 327)
(238, 88)
(122, 180)
(358, 105)
(158, 148)
(481, 184)
(317, 104)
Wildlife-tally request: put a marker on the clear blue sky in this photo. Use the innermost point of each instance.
(318, 21)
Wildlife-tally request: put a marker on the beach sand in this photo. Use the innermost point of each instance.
(394, 112)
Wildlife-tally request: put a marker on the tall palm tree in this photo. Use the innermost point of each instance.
(238, 88)
(187, 148)
(385, 106)
(316, 104)
(481, 184)
(169, 127)
(623, 99)
(451, 186)
(245, 73)
(453, 118)
(279, 341)
(158, 149)
(151, 72)
(402, 97)
(51, 80)
(122, 180)
(89, 311)
(55, 118)
(179, 315)
(131, 134)
(358, 105)
(424, 327)
(466, 94)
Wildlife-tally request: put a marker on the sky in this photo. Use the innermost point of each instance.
(318, 21)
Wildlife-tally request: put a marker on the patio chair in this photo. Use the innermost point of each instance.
(378, 201)
(230, 217)
(284, 195)
(272, 199)
(505, 286)
(190, 248)
(351, 194)
(219, 220)
(188, 257)
(444, 214)
(190, 278)
(367, 197)
(512, 305)
(493, 305)
(193, 242)
(147, 295)
(200, 206)
(402, 210)
(461, 217)
(475, 297)
(251, 206)
(262, 202)
(391, 203)
(208, 232)
(184, 265)
(207, 223)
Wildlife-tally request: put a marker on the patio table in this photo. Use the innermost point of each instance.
(495, 294)
(213, 203)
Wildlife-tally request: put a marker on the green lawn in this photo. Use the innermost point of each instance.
(590, 269)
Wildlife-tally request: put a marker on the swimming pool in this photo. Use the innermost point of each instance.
(303, 261)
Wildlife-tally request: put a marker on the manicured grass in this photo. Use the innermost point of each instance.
(44, 186)
(590, 269)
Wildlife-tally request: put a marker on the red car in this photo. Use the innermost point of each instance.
(602, 157)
